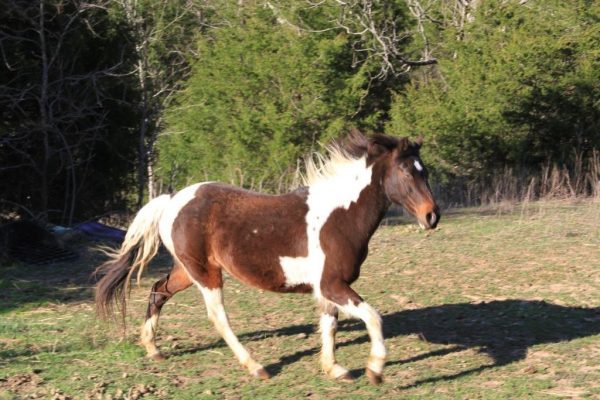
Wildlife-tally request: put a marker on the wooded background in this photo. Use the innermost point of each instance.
(104, 104)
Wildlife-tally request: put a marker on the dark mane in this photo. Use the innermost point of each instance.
(358, 144)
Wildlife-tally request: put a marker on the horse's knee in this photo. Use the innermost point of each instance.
(339, 293)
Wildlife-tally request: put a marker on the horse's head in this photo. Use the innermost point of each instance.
(404, 176)
(405, 183)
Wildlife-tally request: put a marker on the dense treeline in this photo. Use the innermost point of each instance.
(278, 78)
(517, 84)
(64, 117)
(82, 88)
(106, 103)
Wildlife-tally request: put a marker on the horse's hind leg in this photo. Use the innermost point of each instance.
(162, 291)
(216, 313)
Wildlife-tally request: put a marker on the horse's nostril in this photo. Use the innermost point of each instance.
(431, 218)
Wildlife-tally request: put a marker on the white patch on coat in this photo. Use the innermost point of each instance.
(418, 166)
(178, 201)
(333, 183)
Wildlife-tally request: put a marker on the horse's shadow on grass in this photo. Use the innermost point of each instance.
(504, 330)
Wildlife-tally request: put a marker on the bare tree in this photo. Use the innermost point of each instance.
(380, 36)
(52, 108)
(375, 32)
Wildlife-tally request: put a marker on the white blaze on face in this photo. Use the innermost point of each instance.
(418, 166)
(339, 189)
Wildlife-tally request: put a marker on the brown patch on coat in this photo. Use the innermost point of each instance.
(244, 233)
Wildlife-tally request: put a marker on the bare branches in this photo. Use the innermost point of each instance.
(420, 15)
(379, 36)
(375, 30)
(51, 103)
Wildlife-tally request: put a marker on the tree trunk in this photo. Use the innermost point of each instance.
(44, 181)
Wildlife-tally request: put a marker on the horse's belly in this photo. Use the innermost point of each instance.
(267, 278)
(259, 266)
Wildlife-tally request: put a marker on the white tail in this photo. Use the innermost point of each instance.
(143, 236)
(142, 239)
(139, 247)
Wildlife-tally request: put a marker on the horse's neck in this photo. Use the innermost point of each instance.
(352, 200)
(370, 210)
(358, 222)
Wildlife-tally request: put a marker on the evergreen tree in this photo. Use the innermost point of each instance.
(515, 86)
(262, 93)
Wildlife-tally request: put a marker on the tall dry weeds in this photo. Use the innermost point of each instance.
(551, 181)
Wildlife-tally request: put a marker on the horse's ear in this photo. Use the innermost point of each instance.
(403, 144)
(375, 149)
(419, 141)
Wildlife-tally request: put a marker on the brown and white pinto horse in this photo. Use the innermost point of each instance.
(311, 240)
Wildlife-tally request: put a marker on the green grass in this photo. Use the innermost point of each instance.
(496, 304)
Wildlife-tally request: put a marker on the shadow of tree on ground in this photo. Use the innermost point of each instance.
(65, 282)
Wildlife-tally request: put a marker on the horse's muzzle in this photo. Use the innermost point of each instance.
(430, 219)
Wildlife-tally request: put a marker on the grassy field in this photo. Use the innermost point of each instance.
(495, 304)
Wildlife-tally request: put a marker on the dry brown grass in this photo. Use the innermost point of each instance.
(581, 179)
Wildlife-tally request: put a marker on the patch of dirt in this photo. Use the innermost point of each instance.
(539, 354)
(20, 383)
(567, 392)
(492, 384)
(7, 341)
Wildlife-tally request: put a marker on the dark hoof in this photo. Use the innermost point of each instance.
(158, 357)
(262, 374)
(374, 377)
(345, 378)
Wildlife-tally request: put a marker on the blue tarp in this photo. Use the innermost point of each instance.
(101, 231)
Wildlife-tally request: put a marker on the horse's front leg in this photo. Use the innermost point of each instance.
(351, 303)
(328, 327)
